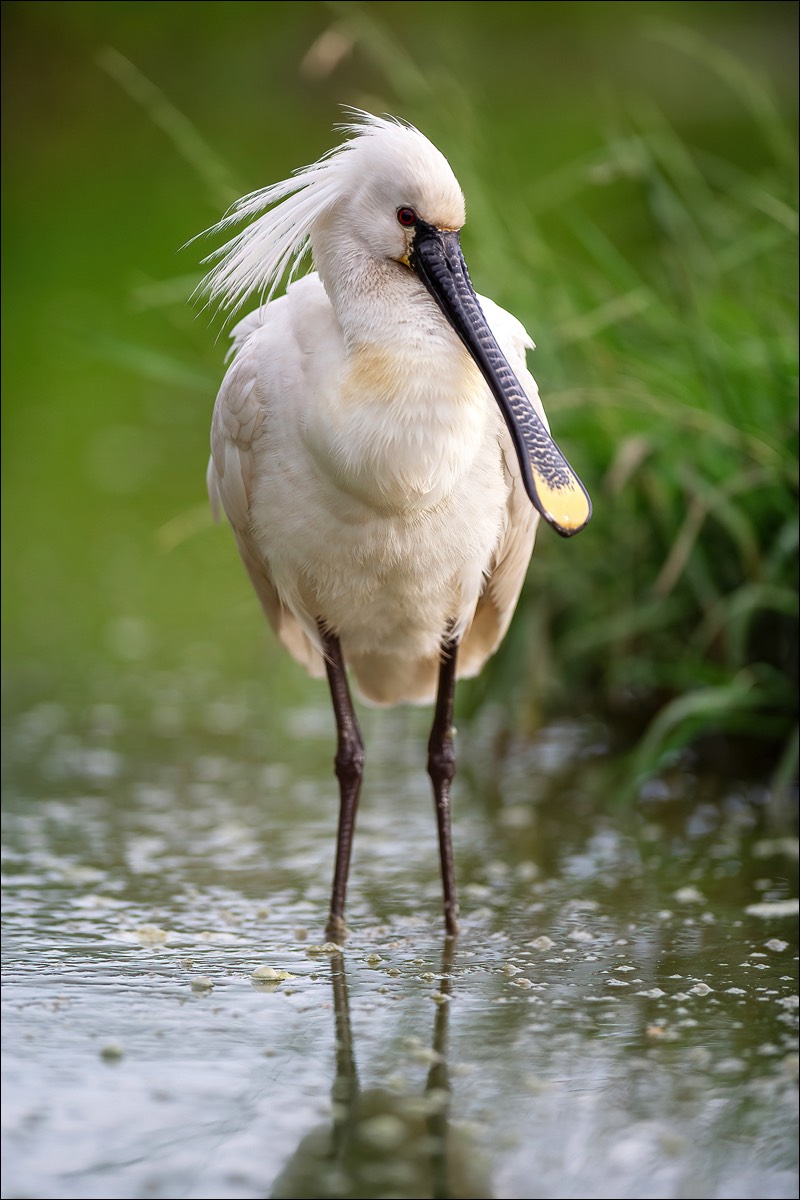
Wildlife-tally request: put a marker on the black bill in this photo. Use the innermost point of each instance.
(554, 488)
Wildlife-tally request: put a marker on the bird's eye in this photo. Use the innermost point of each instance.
(406, 216)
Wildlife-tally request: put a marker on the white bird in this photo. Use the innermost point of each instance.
(378, 444)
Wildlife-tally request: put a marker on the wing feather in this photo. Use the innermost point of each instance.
(239, 422)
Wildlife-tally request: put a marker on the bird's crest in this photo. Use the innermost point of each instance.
(281, 218)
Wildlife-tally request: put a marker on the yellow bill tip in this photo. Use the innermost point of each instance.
(566, 508)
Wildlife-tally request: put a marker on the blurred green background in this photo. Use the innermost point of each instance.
(630, 172)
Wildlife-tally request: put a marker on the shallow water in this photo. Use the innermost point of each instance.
(617, 1018)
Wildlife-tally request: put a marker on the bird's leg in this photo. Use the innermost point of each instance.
(349, 764)
(442, 768)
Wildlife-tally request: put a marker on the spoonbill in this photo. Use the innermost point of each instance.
(378, 444)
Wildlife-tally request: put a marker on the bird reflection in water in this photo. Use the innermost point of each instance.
(383, 1143)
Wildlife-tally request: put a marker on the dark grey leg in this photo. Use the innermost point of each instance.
(349, 764)
(442, 768)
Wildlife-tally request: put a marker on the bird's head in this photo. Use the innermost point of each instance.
(391, 179)
(369, 192)
(387, 196)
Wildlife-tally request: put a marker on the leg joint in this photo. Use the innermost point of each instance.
(349, 761)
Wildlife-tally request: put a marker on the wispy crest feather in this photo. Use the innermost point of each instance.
(275, 243)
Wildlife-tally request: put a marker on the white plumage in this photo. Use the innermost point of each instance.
(357, 448)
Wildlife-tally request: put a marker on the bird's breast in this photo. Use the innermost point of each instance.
(404, 426)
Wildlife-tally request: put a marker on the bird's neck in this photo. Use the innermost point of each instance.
(400, 352)
(411, 411)
(393, 331)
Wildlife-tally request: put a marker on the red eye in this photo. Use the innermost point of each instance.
(406, 216)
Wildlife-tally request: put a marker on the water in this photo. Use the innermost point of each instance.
(617, 1018)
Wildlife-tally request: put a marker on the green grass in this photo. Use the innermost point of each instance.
(677, 610)
(632, 198)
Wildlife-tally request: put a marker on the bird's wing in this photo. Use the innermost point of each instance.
(240, 417)
(509, 567)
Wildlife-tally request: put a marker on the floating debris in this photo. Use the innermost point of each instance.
(270, 975)
(325, 948)
(112, 1051)
(774, 908)
(151, 935)
(689, 895)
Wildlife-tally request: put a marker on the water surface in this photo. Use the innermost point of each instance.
(617, 1018)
